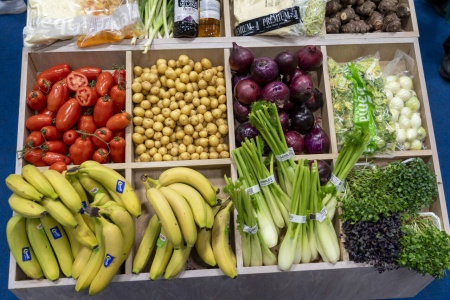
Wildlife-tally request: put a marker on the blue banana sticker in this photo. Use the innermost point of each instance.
(26, 255)
(120, 186)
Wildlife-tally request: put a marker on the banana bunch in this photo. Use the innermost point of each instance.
(79, 223)
(186, 217)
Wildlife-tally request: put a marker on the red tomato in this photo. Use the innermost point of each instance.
(86, 96)
(103, 110)
(34, 156)
(119, 121)
(101, 137)
(55, 73)
(47, 112)
(34, 139)
(90, 72)
(36, 122)
(58, 166)
(104, 83)
(119, 75)
(68, 115)
(58, 95)
(101, 155)
(120, 133)
(117, 94)
(42, 85)
(36, 100)
(52, 157)
(70, 136)
(82, 150)
(117, 147)
(86, 124)
(50, 133)
(75, 80)
(55, 146)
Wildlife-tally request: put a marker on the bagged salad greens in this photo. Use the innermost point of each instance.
(358, 100)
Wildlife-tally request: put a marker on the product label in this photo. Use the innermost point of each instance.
(210, 9)
(267, 181)
(250, 230)
(252, 190)
(320, 216)
(84, 203)
(336, 182)
(120, 186)
(161, 240)
(26, 255)
(186, 10)
(286, 156)
(108, 260)
(94, 190)
(56, 232)
(283, 18)
(297, 219)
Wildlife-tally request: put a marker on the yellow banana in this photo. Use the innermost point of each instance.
(91, 186)
(204, 248)
(113, 241)
(221, 249)
(165, 215)
(100, 199)
(81, 260)
(94, 263)
(75, 245)
(122, 218)
(42, 249)
(20, 247)
(193, 178)
(89, 163)
(83, 233)
(60, 212)
(195, 201)
(183, 214)
(164, 250)
(177, 262)
(116, 198)
(60, 243)
(147, 244)
(18, 185)
(25, 207)
(65, 190)
(75, 182)
(35, 177)
(113, 181)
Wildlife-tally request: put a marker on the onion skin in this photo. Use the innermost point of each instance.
(276, 92)
(295, 140)
(287, 62)
(264, 70)
(240, 59)
(241, 111)
(317, 141)
(309, 57)
(247, 91)
(301, 88)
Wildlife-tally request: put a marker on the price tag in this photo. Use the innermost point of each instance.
(336, 182)
(250, 230)
(252, 190)
(297, 219)
(406, 161)
(320, 216)
(286, 156)
(267, 181)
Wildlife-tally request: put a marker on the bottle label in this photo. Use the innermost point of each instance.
(186, 10)
(210, 9)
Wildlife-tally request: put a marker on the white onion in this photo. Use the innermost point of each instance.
(421, 133)
(413, 103)
(393, 86)
(401, 135)
(396, 103)
(395, 114)
(406, 112)
(404, 122)
(389, 94)
(404, 94)
(416, 145)
(391, 78)
(406, 145)
(406, 82)
(411, 134)
(416, 120)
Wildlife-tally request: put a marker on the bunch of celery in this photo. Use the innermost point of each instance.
(255, 251)
(157, 16)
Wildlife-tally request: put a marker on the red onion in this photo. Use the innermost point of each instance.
(240, 59)
(284, 119)
(247, 91)
(301, 88)
(317, 140)
(264, 70)
(309, 57)
(245, 130)
(241, 111)
(302, 120)
(294, 140)
(315, 101)
(324, 170)
(276, 92)
(288, 78)
(287, 62)
(235, 78)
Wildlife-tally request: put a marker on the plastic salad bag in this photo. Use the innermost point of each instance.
(403, 102)
(279, 17)
(358, 100)
(93, 22)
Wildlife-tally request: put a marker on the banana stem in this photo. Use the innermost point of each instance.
(154, 182)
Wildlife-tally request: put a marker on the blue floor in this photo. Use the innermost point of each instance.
(433, 31)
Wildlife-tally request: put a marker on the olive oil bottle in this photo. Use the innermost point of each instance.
(209, 24)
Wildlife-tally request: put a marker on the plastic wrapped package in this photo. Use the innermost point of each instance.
(279, 17)
(93, 22)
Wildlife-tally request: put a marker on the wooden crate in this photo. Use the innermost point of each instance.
(344, 279)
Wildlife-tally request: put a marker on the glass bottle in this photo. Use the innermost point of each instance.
(185, 18)
(209, 24)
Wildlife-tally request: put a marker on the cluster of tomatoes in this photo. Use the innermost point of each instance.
(80, 115)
